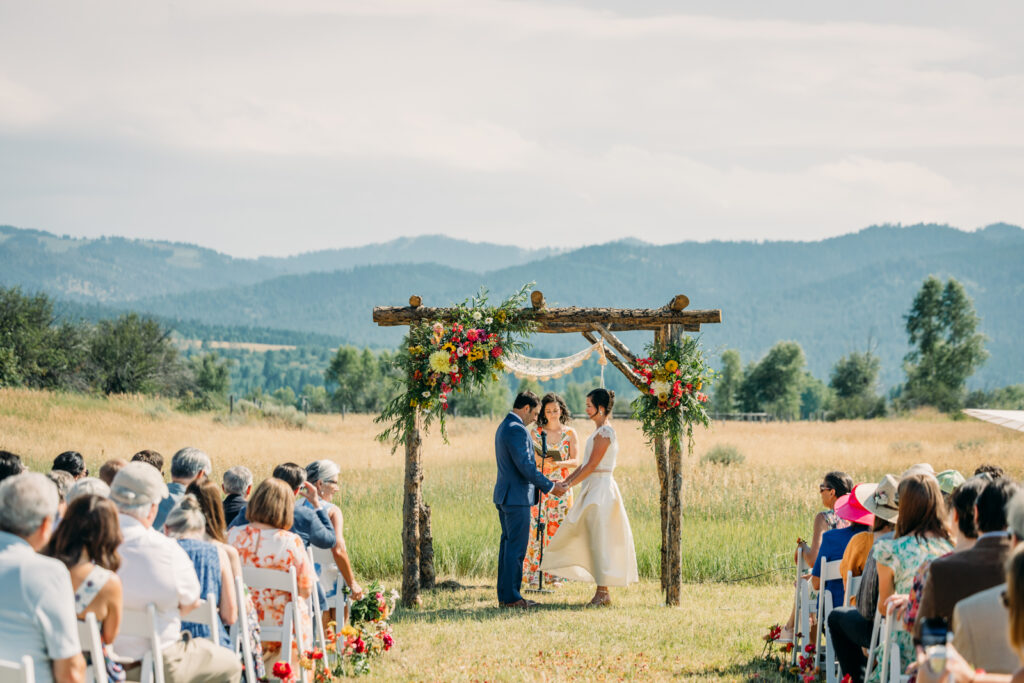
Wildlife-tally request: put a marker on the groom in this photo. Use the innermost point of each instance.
(514, 493)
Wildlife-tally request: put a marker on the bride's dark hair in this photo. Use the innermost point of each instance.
(602, 398)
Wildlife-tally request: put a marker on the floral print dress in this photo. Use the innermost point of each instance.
(555, 508)
(276, 549)
(905, 555)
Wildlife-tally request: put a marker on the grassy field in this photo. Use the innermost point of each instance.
(740, 526)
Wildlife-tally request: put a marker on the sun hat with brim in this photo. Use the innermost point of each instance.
(883, 500)
(138, 483)
(849, 508)
(919, 468)
(950, 480)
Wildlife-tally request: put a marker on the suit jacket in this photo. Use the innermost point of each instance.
(518, 477)
(232, 504)
(981, 631)
(175, 492)
(313, 526)
(960, 575)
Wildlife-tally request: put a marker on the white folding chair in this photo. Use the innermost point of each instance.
(143, 623)
(240, 633)
(852, 586)
(890, 662)
(288, 631)
(206, 615)
(802, 610)
(330, 578)
(23, 671)
(876, 630)
(318, 616)
(89, 637)
(829, 572)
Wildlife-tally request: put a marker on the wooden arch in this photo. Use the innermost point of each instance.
(668, 323)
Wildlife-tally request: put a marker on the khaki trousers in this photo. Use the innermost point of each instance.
(197, 660)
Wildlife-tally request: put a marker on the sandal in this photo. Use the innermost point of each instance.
(600, 599)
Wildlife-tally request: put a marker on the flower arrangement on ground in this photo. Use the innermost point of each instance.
(440, 358)
(676, 376)
(349, 651)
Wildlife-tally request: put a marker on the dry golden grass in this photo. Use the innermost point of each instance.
(741, 521)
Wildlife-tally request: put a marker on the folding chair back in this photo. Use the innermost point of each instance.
(288, 631)
(852, 586)
(240, 632)
(23, 671)
(89, 637)
(206, 615)
(142, 623)
(318, 616)
(802, 615)
(829, 572)
(876, 631)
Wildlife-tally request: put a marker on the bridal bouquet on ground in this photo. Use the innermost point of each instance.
(349, 651)
(675, 376)
(441, 358)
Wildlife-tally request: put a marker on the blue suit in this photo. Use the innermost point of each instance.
(514, 492)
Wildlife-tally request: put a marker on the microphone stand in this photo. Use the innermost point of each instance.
(540, 520)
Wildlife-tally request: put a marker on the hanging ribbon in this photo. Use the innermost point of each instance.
(543, 369)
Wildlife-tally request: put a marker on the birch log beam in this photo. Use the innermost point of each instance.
(561, 319)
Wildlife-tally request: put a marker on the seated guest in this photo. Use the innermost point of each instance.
(187, 524)
(63, 481)
(949, 481)
(110, 468)
(990, 471)
(858, 550)
(979, 621)
(10, 464)
(921, 535)
(155, 569)
(86, 542)
(962, 574)
(208, 495)
(87, 486)
(311, 523)
(850, 627)
(37, 607)
(187, 465)
(265, 542)
(237, 485)
(323, 474)
(152, 458)
(71, 462)
(833, 543)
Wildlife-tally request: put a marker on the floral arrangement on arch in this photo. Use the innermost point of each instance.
(455, 355)
(675, 376)
(349, 651)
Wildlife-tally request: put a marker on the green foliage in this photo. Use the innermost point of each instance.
(729, 383)
(316, 398)
(34, 351)
(774, 385)
(723, 454)
(212, 382)
(490, 400)
(942, 326)
(677, 374)
(364, 381)
(134, 355)
(1004, 398)
(271, 414)
(531, 385)
(459, 354)
(285, 396)
(854, 380)
(814, 397)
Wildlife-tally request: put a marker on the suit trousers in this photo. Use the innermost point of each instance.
(849, 632)
(515, 535)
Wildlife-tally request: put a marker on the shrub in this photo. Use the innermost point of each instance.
(247, 412)
(723, 454)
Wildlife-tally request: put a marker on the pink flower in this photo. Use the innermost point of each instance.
(388, 641)
(472, 335)
(495, 352)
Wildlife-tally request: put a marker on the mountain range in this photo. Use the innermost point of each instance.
(833, 296)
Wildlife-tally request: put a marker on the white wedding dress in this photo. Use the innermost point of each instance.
(594, 542)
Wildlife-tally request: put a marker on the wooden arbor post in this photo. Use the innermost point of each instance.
(668, 323)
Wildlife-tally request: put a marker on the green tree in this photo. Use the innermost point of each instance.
(317, 399)
(729, 383)
(284, 396)
(854, 380)
(34, 351)
(491, 400)
(775, 383)
(211, 379)
(346, 372)
(527, 384)
(814, 397)
(134, 355)
(943, 329)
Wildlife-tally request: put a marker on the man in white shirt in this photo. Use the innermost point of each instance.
(155, 569)
(37, 604)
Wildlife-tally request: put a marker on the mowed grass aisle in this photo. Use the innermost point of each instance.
(740, 525)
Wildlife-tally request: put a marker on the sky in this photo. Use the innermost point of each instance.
(272, 128)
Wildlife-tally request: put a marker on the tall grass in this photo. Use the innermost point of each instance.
(740, 521)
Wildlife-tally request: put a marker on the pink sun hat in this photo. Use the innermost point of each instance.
(849, 508)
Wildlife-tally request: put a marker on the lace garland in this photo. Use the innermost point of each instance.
(543, 369)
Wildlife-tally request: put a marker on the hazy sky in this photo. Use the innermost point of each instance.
(259, 127)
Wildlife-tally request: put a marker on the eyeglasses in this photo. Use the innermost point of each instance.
(822, 487)
(332, 482)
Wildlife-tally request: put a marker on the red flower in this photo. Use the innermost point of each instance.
(359, 646)
(495, 352)
(283, 671)
(472, 335)
(689, 387)
(388, 641)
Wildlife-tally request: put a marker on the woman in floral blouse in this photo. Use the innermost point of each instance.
(266, 543)
(553, 422)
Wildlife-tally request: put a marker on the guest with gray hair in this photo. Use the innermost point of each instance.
(188, 465)
(324, 475)
(89, 485)
(237, 485)
(63, 481)
(187, 524)
(38, 604)
(155, 569)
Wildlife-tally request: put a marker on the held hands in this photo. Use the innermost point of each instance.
(559, 488)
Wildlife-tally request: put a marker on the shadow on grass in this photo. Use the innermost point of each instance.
(476, 612)
(757, 669)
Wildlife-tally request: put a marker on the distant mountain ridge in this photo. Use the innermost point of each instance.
(832, 296)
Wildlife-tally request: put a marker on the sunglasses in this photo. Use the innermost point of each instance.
(822, 487)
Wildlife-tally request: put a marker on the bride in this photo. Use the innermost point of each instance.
(594, 542)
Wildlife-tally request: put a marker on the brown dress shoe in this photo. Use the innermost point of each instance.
(518, 604)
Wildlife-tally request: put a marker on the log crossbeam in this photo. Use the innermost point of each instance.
(566, 319)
